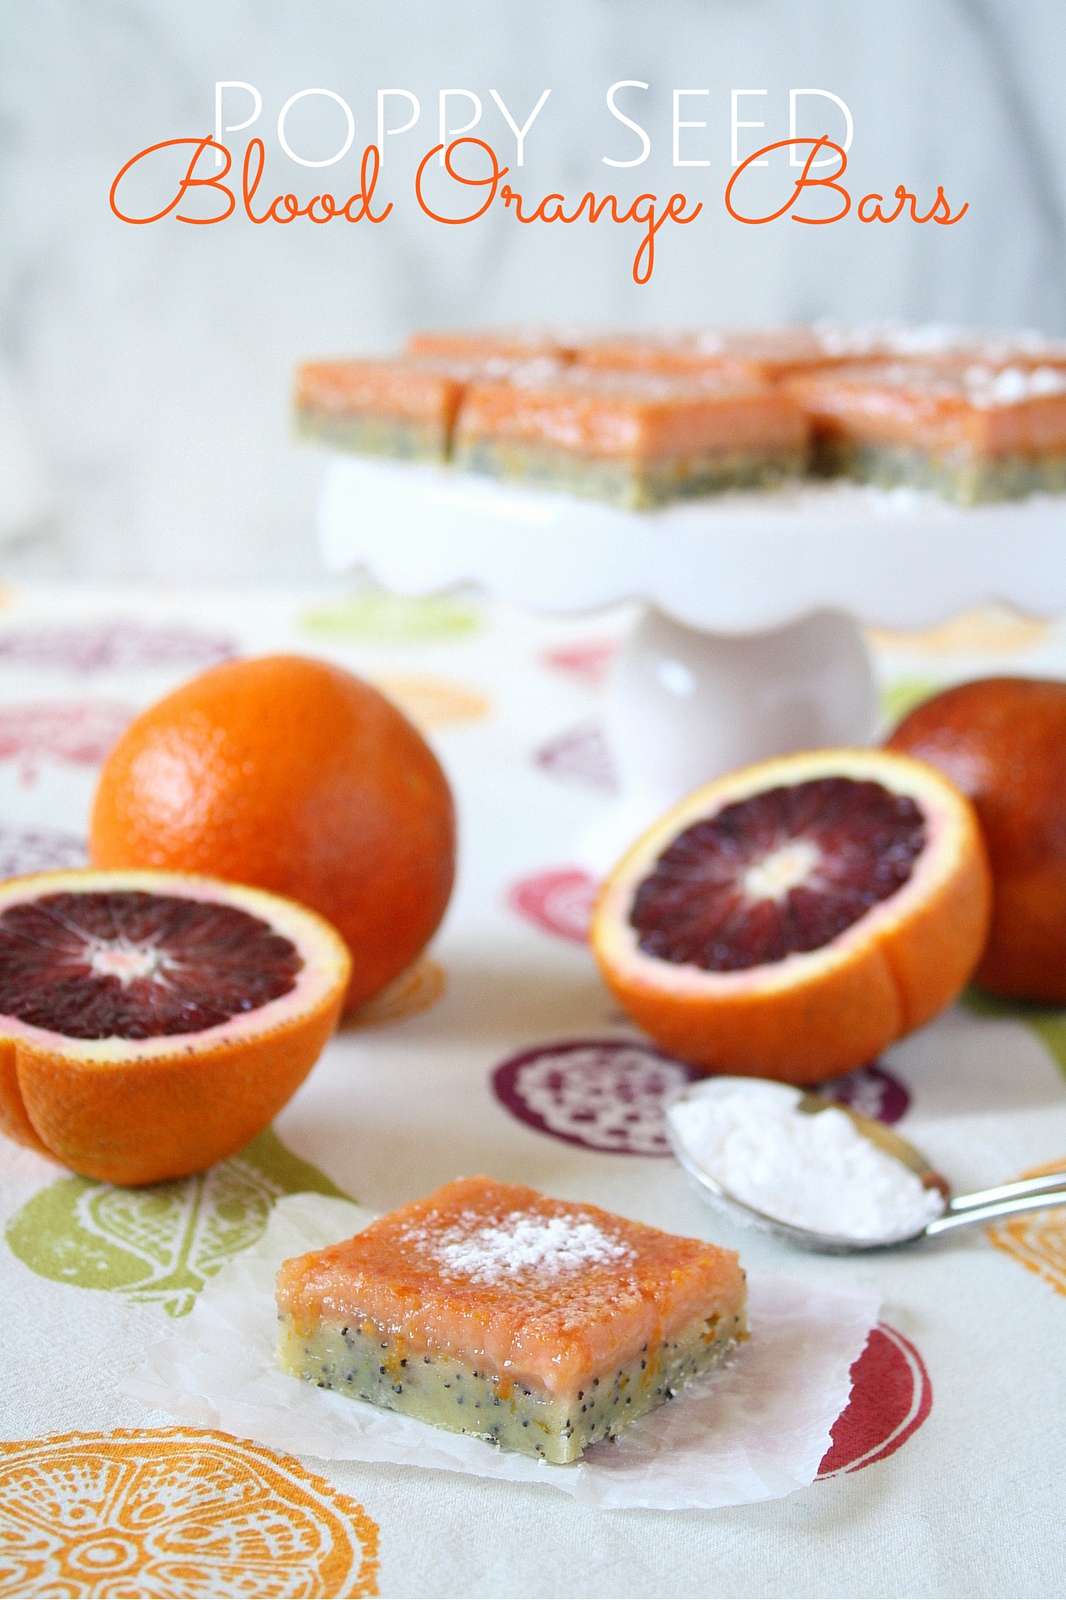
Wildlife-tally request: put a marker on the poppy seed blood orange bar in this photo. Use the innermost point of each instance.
(490, 1309)
(635, 438)
(974, 433)
(404, 406)
(387, 407)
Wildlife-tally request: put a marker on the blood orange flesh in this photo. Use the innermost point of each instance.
(152, 1023)
(785, 870)
(126, 964)
(793, 919)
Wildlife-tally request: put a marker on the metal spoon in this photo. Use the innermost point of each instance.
(1028, 1194)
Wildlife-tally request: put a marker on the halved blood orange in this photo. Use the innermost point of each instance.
(151, 1023)
(792, 919)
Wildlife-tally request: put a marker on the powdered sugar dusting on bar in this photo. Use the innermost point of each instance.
(520, 1244)
(1012, 385)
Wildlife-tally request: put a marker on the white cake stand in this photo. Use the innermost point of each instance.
(750, 641)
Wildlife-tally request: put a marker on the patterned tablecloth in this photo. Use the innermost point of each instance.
(501, 1052)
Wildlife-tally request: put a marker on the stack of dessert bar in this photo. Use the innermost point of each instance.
(641, 420)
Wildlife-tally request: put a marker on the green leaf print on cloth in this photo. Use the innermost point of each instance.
(396, 619)
(1047, 1022)
(161, 1243)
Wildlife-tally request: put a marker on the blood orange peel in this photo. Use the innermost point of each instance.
(153, 1023)
(293, 775)
(793, 919)
(1003, 741)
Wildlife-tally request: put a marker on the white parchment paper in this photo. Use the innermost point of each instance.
(755, 1430)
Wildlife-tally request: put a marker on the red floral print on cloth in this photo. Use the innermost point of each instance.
(580, 755)
(25, 850)
(602, 1094)
(872, 1091)
(891, 1397)
(558, 901)
(610, 1094)
(589, 661)
(114, 646)
(81, 732)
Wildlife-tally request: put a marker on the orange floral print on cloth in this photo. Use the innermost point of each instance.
(989, 629)
(432, 703)
(415, 990)
(1036, 1238)
(177, 1511)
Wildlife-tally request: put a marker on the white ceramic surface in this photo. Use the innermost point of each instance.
(749, 645)
(735, 564)
(686, 705)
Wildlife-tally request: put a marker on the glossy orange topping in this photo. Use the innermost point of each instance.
(633, 416)
(519, 344)
(976, 411)
(761, 353)
(409, 391)
(535, 1290)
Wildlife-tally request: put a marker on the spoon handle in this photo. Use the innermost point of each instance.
(997, 1208)
(1009, 1191)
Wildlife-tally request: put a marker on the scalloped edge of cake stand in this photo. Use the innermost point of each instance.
(738, 563)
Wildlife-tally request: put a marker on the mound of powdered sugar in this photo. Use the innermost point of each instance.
(814, 1171)
(521, 1244)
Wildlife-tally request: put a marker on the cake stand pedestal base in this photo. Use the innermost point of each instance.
(685, 705)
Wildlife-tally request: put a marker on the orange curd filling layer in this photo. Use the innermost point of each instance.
(486, 344)
(764, 354)
(633, 416)
(978, 410)
(408, 391)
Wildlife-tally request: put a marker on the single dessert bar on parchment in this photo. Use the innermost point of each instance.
(489, 1309)
(635, 438)
(971, 433)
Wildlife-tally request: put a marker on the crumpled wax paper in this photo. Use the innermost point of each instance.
(754, 1430)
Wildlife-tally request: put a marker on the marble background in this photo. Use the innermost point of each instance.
(145, 371)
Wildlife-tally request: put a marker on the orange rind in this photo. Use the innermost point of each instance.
(296, 776)
(815, 1013)
(131, 1109)
(1003, 741)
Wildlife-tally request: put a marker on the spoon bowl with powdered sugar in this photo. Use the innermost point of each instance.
(821, 1175)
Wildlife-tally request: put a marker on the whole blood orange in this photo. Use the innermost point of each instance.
(792, 919)
(153, 1023)
(293, 775)
(1003, 742)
